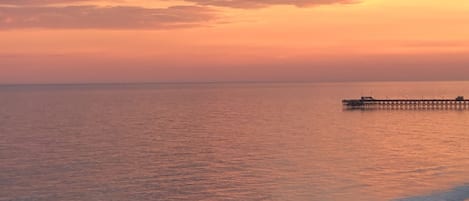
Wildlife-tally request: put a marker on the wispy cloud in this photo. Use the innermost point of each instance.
(266, 3)
(37, 2)
(82, 17)
(19, 14)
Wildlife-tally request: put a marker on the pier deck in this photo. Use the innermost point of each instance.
(370, 102)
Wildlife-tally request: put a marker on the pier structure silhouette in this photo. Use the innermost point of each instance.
(372, 103)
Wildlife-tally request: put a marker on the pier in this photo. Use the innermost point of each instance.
(372, 103)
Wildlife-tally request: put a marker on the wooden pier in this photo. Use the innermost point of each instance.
(372, 103)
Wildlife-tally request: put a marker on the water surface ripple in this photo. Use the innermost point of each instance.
(230, 142)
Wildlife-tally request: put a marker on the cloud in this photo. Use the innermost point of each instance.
(37, 2)
(91, 17)
(266, 3)
(19, 14)
(221, 3)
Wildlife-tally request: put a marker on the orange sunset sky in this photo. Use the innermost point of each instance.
(80, 41)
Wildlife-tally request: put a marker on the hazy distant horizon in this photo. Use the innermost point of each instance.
(227, 82)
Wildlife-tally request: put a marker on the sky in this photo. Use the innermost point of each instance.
(102, 41)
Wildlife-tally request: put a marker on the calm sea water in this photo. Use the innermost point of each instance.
(230, 142)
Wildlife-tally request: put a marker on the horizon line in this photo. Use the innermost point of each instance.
(221, 82)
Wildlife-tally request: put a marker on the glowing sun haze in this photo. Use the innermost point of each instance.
(78, 41)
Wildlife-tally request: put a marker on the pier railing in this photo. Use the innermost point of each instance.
(372, 103)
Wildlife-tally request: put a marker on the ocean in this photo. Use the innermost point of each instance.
(230, 141)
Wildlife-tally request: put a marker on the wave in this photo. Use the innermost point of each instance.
(459, 193)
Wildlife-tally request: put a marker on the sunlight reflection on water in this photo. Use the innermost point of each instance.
(229, 142)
